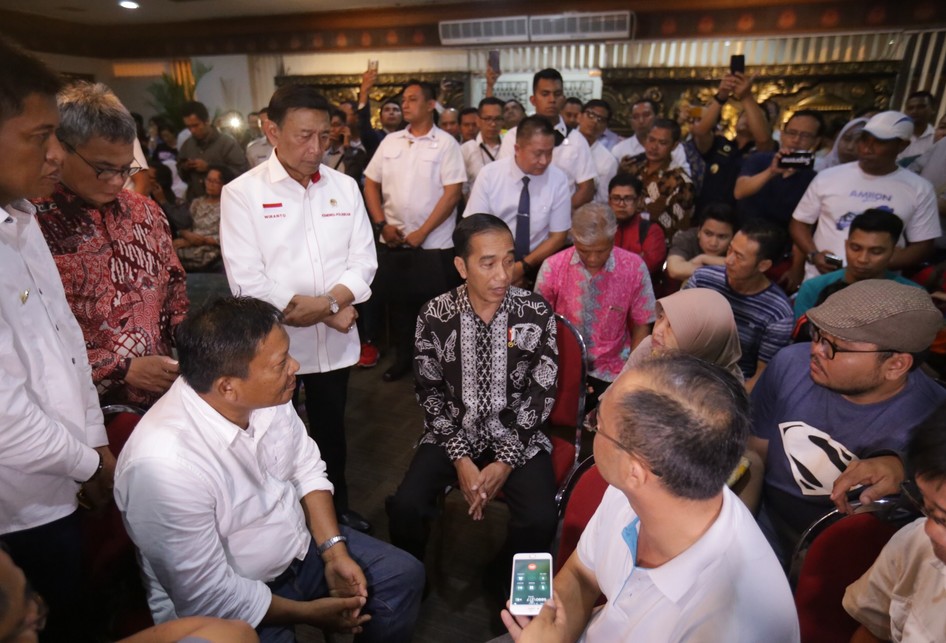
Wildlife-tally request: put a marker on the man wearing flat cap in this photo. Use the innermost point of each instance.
(833, 417)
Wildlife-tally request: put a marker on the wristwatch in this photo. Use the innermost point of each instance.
(378, 227)
(328, 544)
(332, 303)
(812, 255)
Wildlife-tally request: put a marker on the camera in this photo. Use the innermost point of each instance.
(797, 160)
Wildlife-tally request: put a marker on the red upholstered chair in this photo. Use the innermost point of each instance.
(582, 495)
(110, 567)
(568, 413)
(837, 550)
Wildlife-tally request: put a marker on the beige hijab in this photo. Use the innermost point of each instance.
(703, 323)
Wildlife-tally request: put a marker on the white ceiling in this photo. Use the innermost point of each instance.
(108, 12)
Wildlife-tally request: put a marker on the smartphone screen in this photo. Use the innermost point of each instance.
(373, 65)
(494, 60)
(737, 63)
(531, 583)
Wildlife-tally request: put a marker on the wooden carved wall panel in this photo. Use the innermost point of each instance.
(834, 89)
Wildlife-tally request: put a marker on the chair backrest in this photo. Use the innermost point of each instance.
(569, 405)
(835, 558)
(583, 494)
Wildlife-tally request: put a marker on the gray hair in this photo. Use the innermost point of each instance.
(87, 110)
(593, 222)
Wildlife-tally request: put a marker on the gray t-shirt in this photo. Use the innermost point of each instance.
(686, 244)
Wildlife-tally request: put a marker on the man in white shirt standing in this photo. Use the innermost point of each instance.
(484, 149)
(53, 446)
(294, 233)
(592, 122)
(676, 554)
(840, 193)
(571, 154)
(643, 114)
(228, 502)
(530, 194)
(921, 107)
(412, 187)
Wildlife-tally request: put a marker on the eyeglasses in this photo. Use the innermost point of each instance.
(598, 118)
(35, 620)
(104, 173)
(911, 492)
(591, 425)
(614, 198)
(830, 348)
(801, 136)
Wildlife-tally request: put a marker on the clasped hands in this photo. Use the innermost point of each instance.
(305, 311)
(479, 486)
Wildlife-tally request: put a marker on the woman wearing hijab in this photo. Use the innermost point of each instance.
(845, 146)
(697, 321)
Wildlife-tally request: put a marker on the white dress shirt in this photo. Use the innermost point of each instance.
(413, 171)
(727, 586)
(573, 156)
(215, 510)
(279, 239)
(475, 158)
(499, 187)
(918, 146)
(49, 411)
(632, 147)
(606, 166)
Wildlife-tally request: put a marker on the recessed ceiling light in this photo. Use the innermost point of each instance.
(128, 4)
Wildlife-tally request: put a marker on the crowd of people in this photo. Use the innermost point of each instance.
(760, 298)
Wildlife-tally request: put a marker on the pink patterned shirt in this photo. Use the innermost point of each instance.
(605, 307)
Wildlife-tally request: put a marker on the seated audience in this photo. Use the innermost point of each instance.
(870, 243)
(844, 149)
(592, 122)
(162, 192)
(604, 291)
(699, 322)
(673, 551)
(900, 597)
(668, 192)
(198, 247)
(839, 194)
(705, 245)
(762, 311)
(206, 146)
(114, 251)
(483, 416)
(837, 413)
(634, 233)
(53, 446)
(228, 503)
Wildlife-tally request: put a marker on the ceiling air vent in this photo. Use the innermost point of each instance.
(609, 25)
(487, 30)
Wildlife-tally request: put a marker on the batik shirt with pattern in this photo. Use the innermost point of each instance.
(122, 279)
(605, 307)
(668, 193)
(486, 388)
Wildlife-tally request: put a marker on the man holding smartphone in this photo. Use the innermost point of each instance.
(676, 554)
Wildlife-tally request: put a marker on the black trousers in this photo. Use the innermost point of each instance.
(407, 278)
(325, 397)
(529, 492)
(51, 558)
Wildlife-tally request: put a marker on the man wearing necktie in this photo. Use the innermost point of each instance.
(528, 193)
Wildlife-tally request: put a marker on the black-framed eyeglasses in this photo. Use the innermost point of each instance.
(801, 136)
(35, 619)
(831, 349)
(912, 492)
(622, 199)
(598, 118)
(104, 173)
(591, 425)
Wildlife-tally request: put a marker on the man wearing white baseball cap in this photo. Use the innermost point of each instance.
(839, 194)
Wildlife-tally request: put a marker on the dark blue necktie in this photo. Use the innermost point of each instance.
(522, 221)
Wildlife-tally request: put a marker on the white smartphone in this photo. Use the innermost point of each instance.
(373, 65)
(531, 583)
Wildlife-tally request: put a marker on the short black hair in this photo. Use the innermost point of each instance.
(338, 113)
(295, 96)
(571, 100)
(221, 338)
(597, 102)
(722, 212)
(926, 449)
(491, 100)
(922, 93)
(547, 74)
(226, 174)
(654, 105)
(771, 238)
(518, 104)
(532, 125)
(390, 100)
(475, 224)
(623, 179)
(195, 108)
(428, 90)
(466, 111)
(689, 422)
(877, 220)
(668, 124)
(22, 75)
(810, 113)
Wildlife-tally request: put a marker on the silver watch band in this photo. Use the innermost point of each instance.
(331, 542)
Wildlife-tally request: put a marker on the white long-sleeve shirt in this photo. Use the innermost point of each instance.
(279, 239)
(49, 412)
(214, 509)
